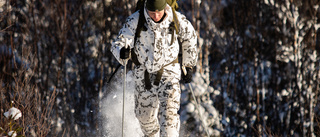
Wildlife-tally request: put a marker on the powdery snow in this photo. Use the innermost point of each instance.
(13, 113)
(112, 109)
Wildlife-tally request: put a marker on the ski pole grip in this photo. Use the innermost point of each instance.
(126, 46)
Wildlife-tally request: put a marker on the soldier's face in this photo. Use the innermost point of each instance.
(156, 15)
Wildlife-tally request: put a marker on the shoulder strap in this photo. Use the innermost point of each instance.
(140, 4)
(174, 6)
(140, 25)
(139, 28)
(176, 21)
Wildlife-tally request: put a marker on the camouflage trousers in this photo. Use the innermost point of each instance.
(157, 108)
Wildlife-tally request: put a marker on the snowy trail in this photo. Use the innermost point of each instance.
(112, 109)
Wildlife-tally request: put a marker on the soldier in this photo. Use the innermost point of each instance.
(157, 71)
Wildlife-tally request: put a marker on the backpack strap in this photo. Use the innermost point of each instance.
(175, 20)
(134, 58)
(159, 74)
(171, 30)
(147, 80)
(140, 5)
(140, 25)
(139, 28)
(174, 6)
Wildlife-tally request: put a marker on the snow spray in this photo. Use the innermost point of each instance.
(111, 109)
(111, 106)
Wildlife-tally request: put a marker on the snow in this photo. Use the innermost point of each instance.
(295, 69)
(13, 113)
(112, 110)
(12, 133)
(2, 2)
(190, 108)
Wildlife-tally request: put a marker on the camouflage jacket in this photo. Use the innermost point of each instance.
(153, 48)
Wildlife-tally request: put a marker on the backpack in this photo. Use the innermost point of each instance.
(173, 26)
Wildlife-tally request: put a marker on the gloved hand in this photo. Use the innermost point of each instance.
(125, 53)
(187, 78)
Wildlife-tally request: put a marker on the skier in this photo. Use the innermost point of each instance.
(157, 71)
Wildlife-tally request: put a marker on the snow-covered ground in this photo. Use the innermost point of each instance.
(111, 110)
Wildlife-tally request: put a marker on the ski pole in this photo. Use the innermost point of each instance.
(124, 89)
(197, 104)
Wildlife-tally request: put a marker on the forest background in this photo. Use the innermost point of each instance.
(258, 70)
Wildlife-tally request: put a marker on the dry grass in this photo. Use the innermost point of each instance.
(19, 89)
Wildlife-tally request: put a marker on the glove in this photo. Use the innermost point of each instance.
(187, 78)
(124, 53)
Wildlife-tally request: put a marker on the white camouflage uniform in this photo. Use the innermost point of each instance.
(154, 51)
